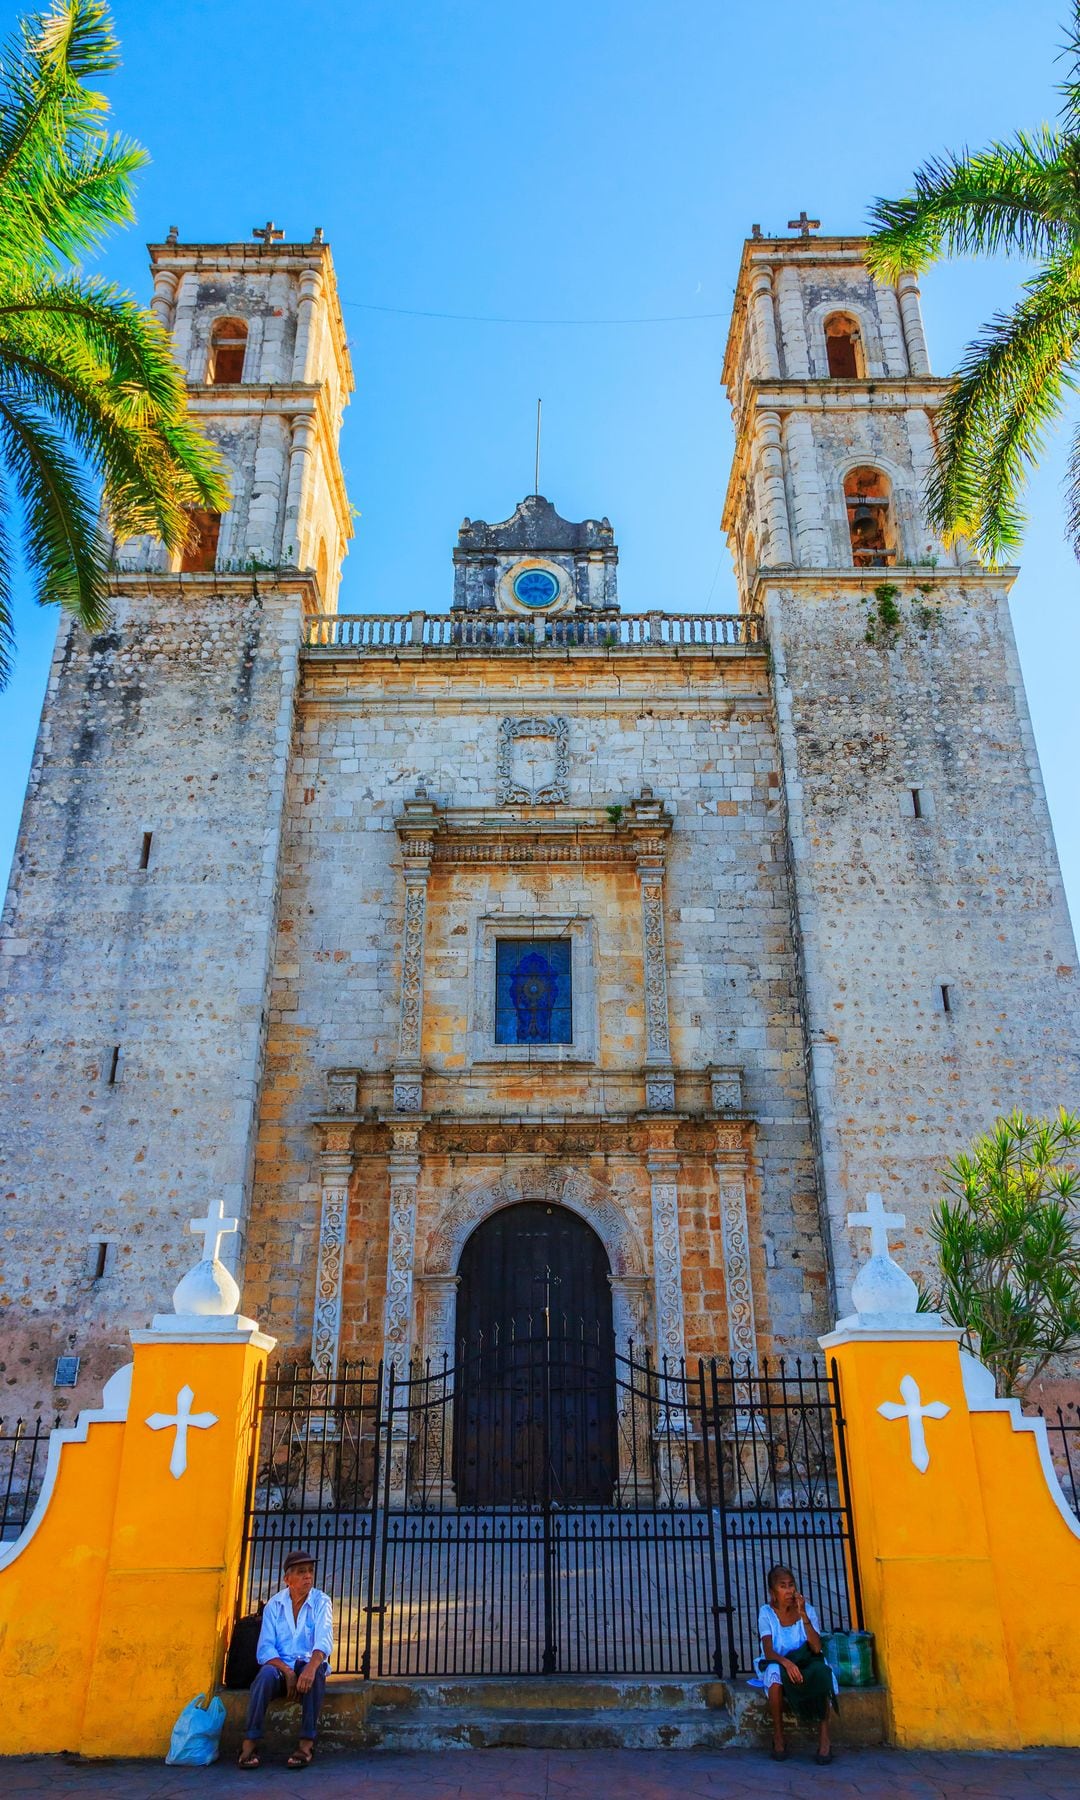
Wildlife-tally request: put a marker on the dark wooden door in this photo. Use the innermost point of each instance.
(534, 1414)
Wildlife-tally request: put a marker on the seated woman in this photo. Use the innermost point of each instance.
(792, 1665)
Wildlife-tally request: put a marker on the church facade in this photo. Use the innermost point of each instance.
(522, 957)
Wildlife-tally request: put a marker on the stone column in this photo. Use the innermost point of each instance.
(907, 289)
(310, 285)
(773, 492)
(807, 492)
(404, 1166)
(663, 1166)
(892, 331)
(162, 304)
(336, 1167)
(398, 1314)
(761, 301)
(416, 829)
(735, 1242)
(650, 821)
(438, 1295)
(792, 324)
(630, 1309)
(303, 438)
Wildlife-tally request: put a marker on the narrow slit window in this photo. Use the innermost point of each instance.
(946, 997)
(144, 854)
(100, 1261)
(114, 1065)
(916, 804)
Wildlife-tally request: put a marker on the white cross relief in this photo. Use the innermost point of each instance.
(214, 1227)
(878, 1222)
(181, 1419)
(914, 1412)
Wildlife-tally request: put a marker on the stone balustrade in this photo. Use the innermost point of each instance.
(498, 631)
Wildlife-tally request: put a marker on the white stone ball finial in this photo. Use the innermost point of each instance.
(881, 1286)
(209, 1290)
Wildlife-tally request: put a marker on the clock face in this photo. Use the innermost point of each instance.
(535, 587)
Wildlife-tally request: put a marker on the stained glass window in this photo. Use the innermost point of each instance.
(533, 991)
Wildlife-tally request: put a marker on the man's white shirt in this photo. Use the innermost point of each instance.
(291, 1640)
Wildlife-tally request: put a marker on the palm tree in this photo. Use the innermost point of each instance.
(1020, 198)
(91, 400)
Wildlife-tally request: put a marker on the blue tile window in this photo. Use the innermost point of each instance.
(533, 991)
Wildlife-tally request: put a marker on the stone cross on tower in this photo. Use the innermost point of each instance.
(803, 225)
(214, 1227)
(268, 232)
(878, 1222)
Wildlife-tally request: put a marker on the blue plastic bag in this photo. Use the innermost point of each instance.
(197, 1732)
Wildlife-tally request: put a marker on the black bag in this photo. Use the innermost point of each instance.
(242, 1662)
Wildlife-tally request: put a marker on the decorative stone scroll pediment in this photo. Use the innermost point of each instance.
(533, 762)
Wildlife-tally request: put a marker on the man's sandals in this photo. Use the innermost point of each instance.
(250, 1761)
(300, 1758)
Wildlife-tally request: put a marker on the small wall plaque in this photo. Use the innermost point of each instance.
(67, 1371)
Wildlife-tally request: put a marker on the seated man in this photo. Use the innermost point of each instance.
(295, 1646)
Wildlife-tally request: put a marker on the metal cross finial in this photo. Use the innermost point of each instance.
(803, 225)
(180, 1421)
(214, 1227)
(268, 232)
(878, 1222)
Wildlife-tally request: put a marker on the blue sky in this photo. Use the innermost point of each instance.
(596, 160)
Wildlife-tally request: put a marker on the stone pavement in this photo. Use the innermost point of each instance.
(569, 1775)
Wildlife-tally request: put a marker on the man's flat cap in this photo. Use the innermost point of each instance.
(297, 1559)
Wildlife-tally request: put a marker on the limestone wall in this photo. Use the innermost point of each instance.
(177, 723)
(700, 732)
(892, 907)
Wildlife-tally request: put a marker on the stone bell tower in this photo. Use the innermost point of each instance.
(137, 939)
(937, 964)
(258, 329)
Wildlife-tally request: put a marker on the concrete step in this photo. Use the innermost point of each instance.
(553, 1728)
(544, 1712)
(528, 1693)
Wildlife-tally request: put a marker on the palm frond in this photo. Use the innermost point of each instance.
(7, 598)
(1017, 198)
(66, 554)
(1069, 89)
(1010, 386)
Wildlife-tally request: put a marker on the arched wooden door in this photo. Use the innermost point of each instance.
(534, 1412)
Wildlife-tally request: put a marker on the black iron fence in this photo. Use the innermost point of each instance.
(1063, 1434)
(540, 1507)
(24, 1449)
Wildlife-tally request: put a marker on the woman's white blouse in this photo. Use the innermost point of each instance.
(786, 1638)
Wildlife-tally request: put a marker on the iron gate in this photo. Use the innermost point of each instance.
(639, 1548)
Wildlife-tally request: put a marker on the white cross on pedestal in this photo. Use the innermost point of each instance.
(180, 1420)
(878, 1222)
(214, 1227)
(914, 1412)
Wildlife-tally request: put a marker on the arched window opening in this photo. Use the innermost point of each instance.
(200, 552)
(228, 343)
(843, 347)
(870, 521)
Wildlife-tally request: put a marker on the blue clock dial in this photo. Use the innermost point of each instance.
(535, 587)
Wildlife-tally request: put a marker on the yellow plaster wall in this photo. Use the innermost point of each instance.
(969, 1572)
(1036, 1560)
(50, 1600)
(117, 1611)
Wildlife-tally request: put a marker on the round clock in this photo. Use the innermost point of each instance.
(536, 587)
